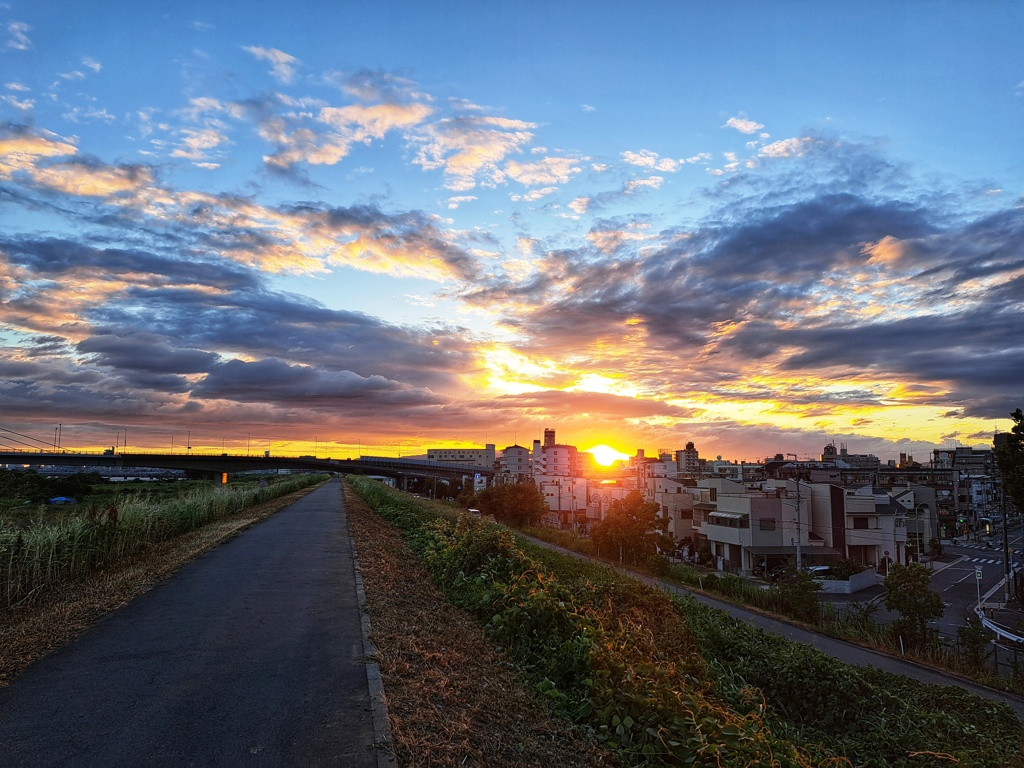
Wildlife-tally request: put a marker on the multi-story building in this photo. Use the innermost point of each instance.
(554, 458)
(843, 458)
(737, 471)
(472, 457)
(674, 498)
(688, 462)
(747, 527)
(514, 465)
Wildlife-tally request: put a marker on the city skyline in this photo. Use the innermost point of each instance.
(356, 228)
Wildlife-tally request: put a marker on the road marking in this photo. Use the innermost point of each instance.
(968, 574)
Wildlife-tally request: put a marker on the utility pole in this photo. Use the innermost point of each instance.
(1006, 549)
(799, 551)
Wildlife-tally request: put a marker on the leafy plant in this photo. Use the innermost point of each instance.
(907, 592)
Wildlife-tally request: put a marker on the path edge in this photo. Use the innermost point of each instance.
(383, 746)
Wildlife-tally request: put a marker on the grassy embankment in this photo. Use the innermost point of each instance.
(969, 657)
(669, 681)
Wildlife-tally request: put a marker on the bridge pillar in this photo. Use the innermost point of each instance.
(223, 478)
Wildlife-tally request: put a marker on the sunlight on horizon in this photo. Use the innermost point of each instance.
(605, 455)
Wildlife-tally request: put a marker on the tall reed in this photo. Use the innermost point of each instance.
(46, 554)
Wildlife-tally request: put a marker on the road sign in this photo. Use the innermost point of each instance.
(977, 573)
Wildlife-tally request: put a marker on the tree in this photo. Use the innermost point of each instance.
(518, 504)
(906, 591)
(800, 591)
(1010, 458)
(633, 529)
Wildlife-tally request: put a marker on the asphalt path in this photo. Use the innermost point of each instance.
(840, 649)
(251, 655)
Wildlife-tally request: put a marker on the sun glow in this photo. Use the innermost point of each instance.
(606, 455)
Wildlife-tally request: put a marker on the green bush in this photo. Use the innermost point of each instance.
(844, 568)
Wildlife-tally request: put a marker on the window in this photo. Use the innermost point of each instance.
(714, 494)
(767, 524)
(860, 523)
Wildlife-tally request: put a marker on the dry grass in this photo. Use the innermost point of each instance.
(58, 616)
(453, 698)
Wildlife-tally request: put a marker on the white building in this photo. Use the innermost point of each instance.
(473, 457)
(675, 499)
(514, 464)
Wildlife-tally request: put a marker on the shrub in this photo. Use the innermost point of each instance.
(844, 568)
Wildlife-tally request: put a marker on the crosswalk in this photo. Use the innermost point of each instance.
(988, 547)
(983, 560)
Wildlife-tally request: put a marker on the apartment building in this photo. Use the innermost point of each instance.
(688, 462)
(744, 527)
(514, 465)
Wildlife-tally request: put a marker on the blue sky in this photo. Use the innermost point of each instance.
(760, 227)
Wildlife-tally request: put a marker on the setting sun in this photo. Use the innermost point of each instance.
(606, 455)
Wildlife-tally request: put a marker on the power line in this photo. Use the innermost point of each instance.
(43, 443)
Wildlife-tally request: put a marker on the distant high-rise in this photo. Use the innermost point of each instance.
(549, 438)
(688, 461)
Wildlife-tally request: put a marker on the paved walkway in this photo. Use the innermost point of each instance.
(251, 655)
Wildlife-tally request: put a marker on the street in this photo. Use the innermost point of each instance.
(958, 583)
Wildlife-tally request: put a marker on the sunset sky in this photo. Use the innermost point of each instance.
(371, 228)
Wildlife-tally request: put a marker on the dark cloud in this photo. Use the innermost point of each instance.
(276, 325)
(276, 381)
(68, 260)
(559, 405)
(145, 352)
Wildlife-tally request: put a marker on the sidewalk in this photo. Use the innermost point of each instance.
(253, 654)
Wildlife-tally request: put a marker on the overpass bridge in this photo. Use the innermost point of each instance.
(219, 466)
